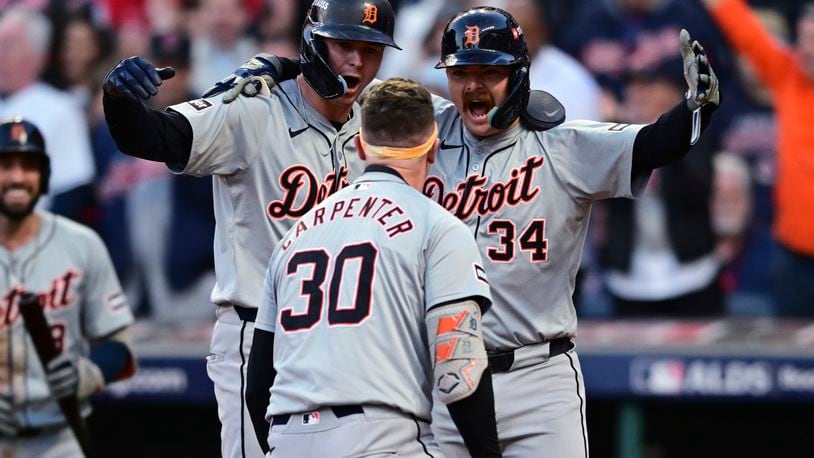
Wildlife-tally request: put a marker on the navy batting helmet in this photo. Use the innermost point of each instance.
(358, 20)
(490, 36)
(20, 136)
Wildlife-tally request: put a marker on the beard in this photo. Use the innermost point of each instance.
(17, 213)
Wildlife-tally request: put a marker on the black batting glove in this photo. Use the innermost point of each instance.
(135, 78)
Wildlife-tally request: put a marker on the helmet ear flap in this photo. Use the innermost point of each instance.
(317, 73)
(502, 116)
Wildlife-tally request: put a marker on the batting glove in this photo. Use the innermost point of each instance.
(135, 78)
(247, 78)
(701, 80)
(62, 376)
(8, 421)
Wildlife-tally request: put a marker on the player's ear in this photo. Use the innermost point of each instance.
(359, 149)
(431, 153)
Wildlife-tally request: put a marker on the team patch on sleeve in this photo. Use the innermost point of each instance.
(200, 104)
(116, 302)
(480, 273)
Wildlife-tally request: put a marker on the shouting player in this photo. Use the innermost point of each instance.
(67, 267)
(526, 195)
(272, 158)
(403, 290)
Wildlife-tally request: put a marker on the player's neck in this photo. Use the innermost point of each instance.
(16, 233)
(336, 111)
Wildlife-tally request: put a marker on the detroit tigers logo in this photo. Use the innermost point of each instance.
(471, 196)
(301, 185)
(472, 35)
(371, 14)
(18, 134)
(58, 296)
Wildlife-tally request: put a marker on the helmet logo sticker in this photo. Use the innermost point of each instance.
(472, 35)
(371, 14)
(18, 134)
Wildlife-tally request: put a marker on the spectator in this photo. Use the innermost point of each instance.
(659, 254)
(552, 70)
(24, 41)
(220, 44)
(746, 126)
(789, 75)
(82, 48)
(278, 27)
(615, 37)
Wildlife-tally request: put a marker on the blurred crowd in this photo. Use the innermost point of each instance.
(703, 240)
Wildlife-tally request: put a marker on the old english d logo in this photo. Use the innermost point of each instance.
(472, 35)
(18, 134)
(371, 14)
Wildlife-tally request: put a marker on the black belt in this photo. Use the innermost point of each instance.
(502, 361)
(246, 313)
(339, 411)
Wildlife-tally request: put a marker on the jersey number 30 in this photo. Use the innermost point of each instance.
(314, 288)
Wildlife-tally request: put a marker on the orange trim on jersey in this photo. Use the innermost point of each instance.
(445, 350)
(392, 152)
(466, 370)
(448, 324)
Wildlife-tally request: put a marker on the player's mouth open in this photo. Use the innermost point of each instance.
(352, 82)
(479, 106)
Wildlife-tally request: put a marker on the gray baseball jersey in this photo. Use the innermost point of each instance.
(526, 196)
(272, 158)
(347, 291)
(67, 265)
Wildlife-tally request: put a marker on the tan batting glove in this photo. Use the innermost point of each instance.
(701, 80)
(91, 379)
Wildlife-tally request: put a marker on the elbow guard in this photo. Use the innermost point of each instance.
(457, 348)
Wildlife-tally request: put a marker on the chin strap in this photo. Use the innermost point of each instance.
(501, 117)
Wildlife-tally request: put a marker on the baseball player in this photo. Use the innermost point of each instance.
(67, 267)
(526, 195)
(373, 299)
(272, 158)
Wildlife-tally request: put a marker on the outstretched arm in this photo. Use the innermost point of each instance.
(671, 136)
(771, 59)
(162, 136)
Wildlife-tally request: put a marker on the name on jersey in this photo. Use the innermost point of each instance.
(299, 184)
(470, 197)
(59, 296)
(379, 209)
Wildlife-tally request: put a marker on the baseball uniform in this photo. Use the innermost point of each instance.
(272, 159)
(526, 196)
(67, 265)
(346, 296)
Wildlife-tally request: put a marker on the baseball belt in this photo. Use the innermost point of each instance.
(339, 411)
(246, 313)
(501, 361)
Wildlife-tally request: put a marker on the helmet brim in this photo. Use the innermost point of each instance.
(477, 57)
(355, 33)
